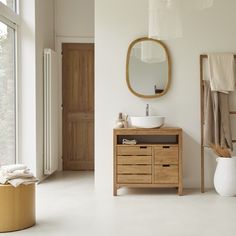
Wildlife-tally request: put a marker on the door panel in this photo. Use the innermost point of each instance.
(78, 106)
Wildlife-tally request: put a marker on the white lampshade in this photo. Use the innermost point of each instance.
(198, 4)
(165, 21)
(152, 52)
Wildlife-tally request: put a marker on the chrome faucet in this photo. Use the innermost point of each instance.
(147, 110)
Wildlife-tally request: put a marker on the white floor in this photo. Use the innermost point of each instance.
(67, 204)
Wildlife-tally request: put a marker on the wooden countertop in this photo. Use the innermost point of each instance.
(161, 131)
(151, 129)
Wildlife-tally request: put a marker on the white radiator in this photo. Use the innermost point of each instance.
(51, 108)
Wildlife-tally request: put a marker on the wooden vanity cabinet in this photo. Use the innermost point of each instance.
(155, 161)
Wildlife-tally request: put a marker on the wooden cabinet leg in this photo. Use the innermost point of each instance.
(114, 190)
(180, 191)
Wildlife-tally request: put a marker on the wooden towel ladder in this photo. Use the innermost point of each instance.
(202, 57)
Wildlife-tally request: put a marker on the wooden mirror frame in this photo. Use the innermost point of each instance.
(128, 61)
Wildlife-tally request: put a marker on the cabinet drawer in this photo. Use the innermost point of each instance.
(134, 160)
(166, 154)
(134, 151)
(166, 174)
(134, 169)
(134, 179)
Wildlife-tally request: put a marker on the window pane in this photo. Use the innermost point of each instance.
(7, 95)
(10, 3)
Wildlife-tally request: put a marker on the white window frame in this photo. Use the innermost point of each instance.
(12, 19)
(9, 14)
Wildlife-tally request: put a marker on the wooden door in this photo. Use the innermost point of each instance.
(78, 106)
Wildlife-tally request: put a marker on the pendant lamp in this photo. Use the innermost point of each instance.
(165, 21)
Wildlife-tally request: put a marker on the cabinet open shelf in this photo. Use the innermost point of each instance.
(149, 139)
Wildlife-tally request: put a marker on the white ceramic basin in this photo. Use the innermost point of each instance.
(147, 121)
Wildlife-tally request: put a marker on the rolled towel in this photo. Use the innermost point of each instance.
(17, 182)
(18, 175)
(130, 142)
(25, 171)
(5, 176)
(15, 172)
(12, 168)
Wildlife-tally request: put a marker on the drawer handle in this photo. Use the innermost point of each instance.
(165, 165)
(143, 147)
(166, 147)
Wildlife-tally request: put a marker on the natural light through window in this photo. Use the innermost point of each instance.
(7, 95)
(10, 3)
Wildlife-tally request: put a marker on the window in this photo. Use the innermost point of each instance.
(9, 3)
(7, 94)
(8, 89)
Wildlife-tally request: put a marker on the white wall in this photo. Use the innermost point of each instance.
(74, 18)
(44, 15)
(37, 33)
(117, 23)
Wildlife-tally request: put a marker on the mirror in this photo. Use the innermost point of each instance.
(148, 70)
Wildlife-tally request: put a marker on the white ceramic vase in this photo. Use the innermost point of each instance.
(225, 176)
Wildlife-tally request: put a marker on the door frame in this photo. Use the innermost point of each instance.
(59, 41)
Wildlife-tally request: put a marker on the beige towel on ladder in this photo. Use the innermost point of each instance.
(216, 118)
(222, 72)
